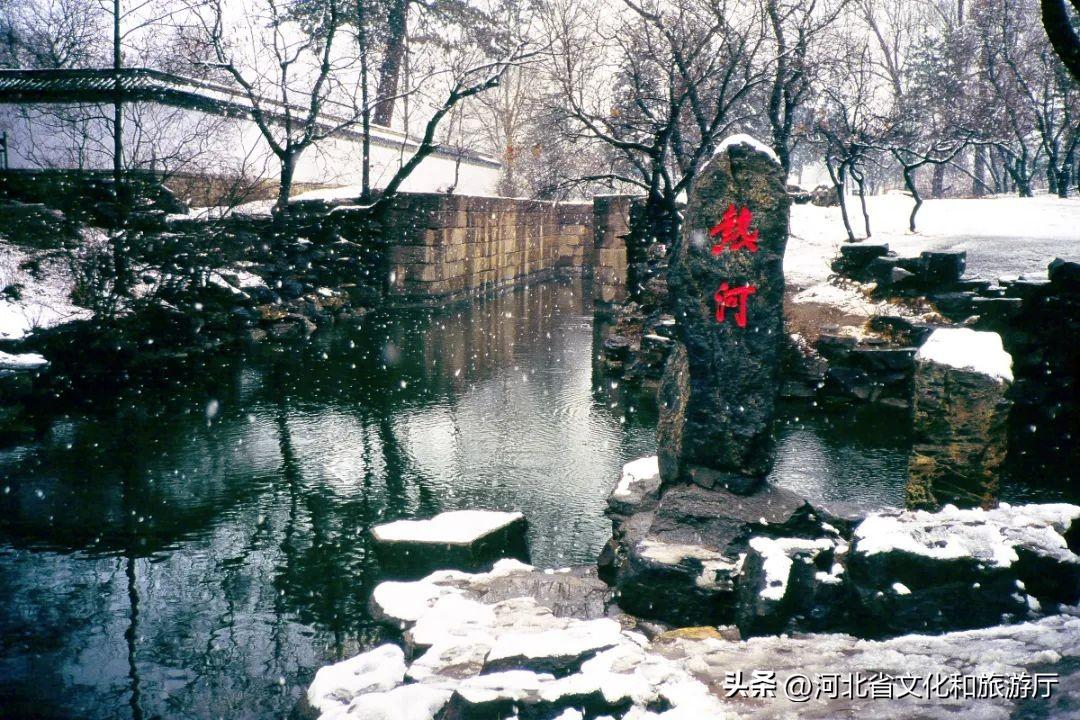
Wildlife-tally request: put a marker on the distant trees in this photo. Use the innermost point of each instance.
(660, 84)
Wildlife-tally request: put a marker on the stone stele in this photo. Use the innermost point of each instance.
(719, 390)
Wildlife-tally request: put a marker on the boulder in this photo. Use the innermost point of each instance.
(462, 539)
(335, 686)
(679, 562)
(961, 406)
(791, 584)
(942, 267)
(1065, 275)
(916, 571)
(726, 290)
(855, 259)
(573, 592)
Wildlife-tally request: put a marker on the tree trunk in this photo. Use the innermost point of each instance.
(288, 169)
(860, 182)
(118, 120)
(978, 185)
(839, 180)
(365, 154)
(937, 186)
(397, 23)
(909, 182)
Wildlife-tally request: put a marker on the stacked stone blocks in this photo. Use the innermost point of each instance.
(441, 246)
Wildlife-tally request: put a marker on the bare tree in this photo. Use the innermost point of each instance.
(661, 84)
(291, 97)
(797, 28)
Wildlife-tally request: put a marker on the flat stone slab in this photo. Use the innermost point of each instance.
(460, 539)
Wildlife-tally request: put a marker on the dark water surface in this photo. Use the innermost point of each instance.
(200, 547)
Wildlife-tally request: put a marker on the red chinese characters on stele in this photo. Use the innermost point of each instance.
(734, 231)
(733, 298)
(734, 235)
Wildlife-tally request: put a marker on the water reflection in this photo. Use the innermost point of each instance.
(199, 553)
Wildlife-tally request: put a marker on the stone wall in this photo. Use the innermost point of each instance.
(443, 246)
(611, 215)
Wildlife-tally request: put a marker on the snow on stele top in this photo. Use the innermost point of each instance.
(744, 139)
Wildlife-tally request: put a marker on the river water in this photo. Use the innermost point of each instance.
(198, 546)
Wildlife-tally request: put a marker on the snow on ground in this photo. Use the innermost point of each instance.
(1003, 236)
(459, 527)
(967, 349)
(44, 301)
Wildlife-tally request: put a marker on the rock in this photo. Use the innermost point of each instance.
(638, 489)
(706, 632)
(559, 652)
(617, 348)
(720, 386)
(1065, 275)
(884, 359)
(825, 196)
(791, 584)
(961, 569)
(956, 306)
(961, 416)
(335, 686)
(407, 702)
(942, 267)
(462, 539)
(574, 592)
(23, 362)
(291, 289)
(833, 346)
(1025, 290)
(855, 259)
(995, 313)
(679, 563)
(293, 327)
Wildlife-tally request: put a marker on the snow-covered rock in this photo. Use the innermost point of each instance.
(639, 484)
(966, 349)
(22, 361)
(466, 539)
(958, 569)
(783, 578)
(559, 652)
(335, 686)
(691, 676)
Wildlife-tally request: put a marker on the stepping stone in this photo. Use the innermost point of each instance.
(461, 539)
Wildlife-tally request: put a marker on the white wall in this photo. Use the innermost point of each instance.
(190, 141)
